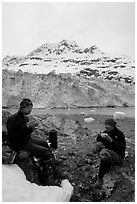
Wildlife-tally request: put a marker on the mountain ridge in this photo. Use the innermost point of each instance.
(93, 77)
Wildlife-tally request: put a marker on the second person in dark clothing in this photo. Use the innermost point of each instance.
(111, 147)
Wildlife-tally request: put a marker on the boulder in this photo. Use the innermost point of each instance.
(15, 188)
(119, 115)
(88, 120)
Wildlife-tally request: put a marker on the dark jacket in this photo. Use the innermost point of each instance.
(18, 132)
(118, 143)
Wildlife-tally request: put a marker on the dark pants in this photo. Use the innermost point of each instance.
(38, 148)
(107, 158)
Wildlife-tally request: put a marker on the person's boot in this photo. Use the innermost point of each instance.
(104, 166)
(46, 174)
(98, 183)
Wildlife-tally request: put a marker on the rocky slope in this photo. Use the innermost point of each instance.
(75, 143)
(65, 75)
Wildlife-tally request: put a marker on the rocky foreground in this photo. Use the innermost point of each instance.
(75, 142)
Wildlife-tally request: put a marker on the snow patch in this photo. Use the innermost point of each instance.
(15, 188)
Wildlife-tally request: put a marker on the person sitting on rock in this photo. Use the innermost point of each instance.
(111, 147)
(19, 132)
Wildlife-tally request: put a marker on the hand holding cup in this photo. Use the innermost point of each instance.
(106, 137)
(32, 123)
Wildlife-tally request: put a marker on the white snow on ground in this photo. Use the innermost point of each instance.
(15, 188)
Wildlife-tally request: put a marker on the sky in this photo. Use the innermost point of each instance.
(108, 25)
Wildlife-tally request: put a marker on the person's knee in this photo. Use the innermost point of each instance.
(47, 152)
(44, 153)
(104, 155)
(98, 147)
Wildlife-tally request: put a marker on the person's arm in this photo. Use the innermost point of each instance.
(23, 128)
(19, 130)
(99, 138)
(117, 145)
(120, 145)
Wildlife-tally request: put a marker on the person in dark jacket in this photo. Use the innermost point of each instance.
(111, 146)
(20, 127)
(19, 132)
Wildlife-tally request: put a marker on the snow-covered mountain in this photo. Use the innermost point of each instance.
(76, 73)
